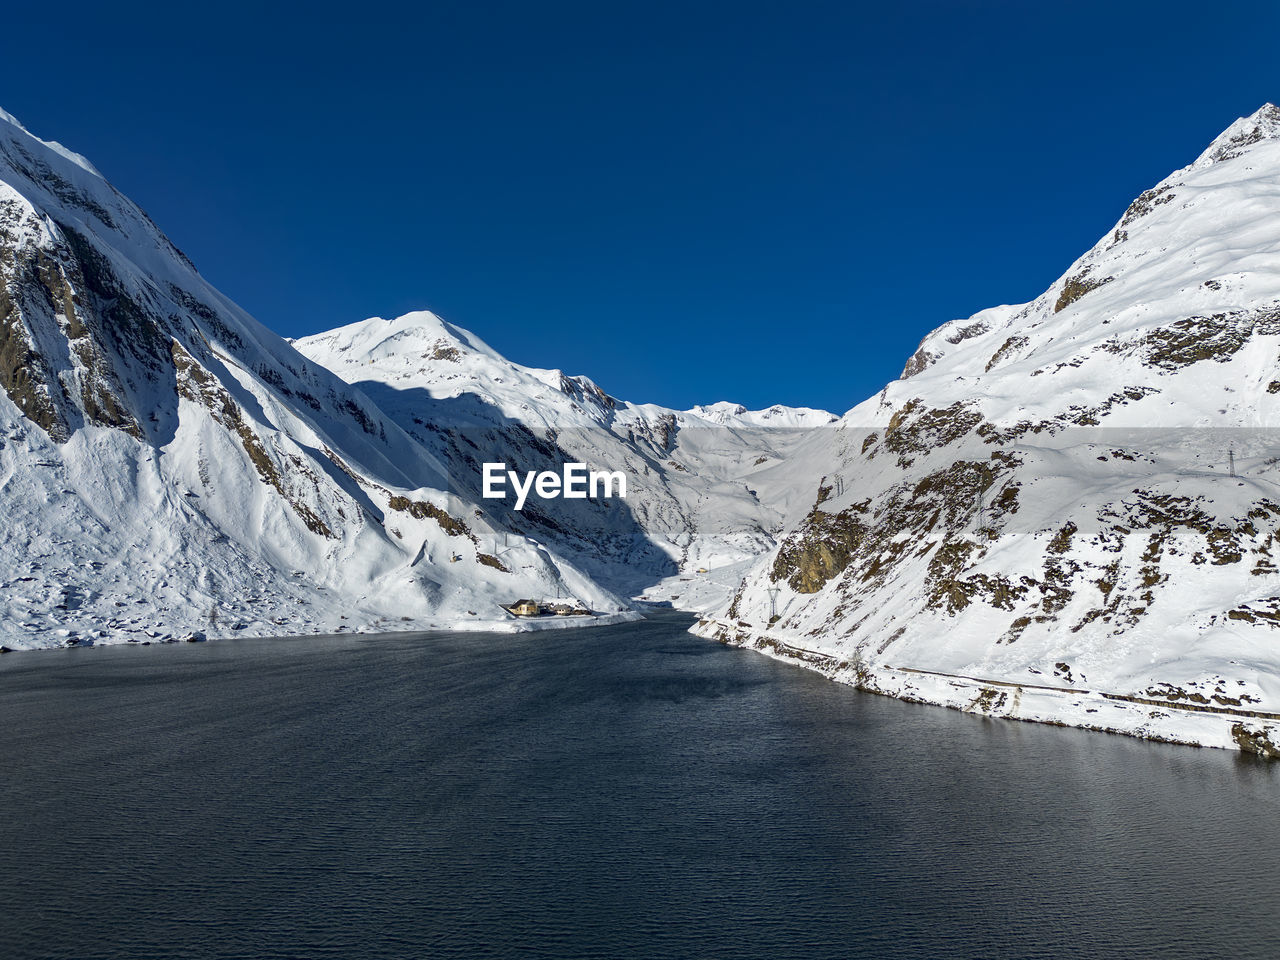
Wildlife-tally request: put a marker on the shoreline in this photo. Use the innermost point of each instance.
(512, 626)
(1221, 727)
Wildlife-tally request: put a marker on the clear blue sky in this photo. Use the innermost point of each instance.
(763, 202)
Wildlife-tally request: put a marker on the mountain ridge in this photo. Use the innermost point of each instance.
(1082, 485)
(1063, 511)
(699, 488)
(169, 465)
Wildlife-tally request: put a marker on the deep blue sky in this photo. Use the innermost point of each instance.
(763, 202)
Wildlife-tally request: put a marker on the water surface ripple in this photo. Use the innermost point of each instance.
(616, 792)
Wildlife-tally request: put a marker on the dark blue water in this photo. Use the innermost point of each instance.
(612, 792)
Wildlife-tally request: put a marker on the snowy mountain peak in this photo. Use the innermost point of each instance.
(1262, 124)
(418, 335)
(1187, 280)
(1085, 485)
(723, 408)
(167, 462)
(727, 413)
(707, 487)
(18, 128)
(420, 350)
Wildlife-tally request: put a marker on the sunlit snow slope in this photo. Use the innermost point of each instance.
(1067, 510)
(707, 487)
(167, 464)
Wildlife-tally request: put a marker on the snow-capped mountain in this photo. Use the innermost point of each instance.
(167, 463)
(1067, 510)
(708, 487)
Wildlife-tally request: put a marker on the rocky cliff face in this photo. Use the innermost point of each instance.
(1076, 494)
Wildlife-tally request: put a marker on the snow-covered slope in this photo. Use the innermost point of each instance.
(707, 487)
(167, 464)
(1067, 510)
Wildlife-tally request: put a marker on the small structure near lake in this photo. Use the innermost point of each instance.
(524, 608)
(547, 608)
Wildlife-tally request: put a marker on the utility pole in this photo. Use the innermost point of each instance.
(773, 602)
(1231, 457)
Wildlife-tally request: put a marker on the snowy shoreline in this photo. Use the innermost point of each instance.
(511, 626)
(1248, 731)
